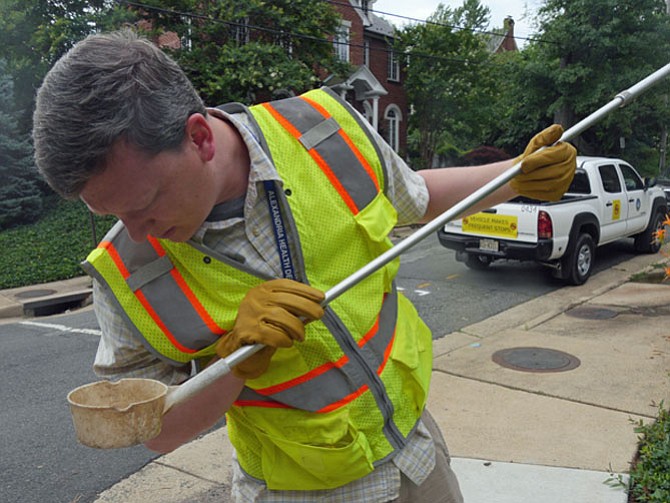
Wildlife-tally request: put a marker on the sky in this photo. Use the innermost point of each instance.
(521, 11)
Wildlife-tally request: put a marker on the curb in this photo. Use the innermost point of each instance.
(46, 299)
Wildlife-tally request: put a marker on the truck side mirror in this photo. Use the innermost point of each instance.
(649, 181)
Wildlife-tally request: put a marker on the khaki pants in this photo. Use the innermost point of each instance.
(441, 485)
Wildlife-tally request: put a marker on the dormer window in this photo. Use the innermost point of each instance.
(365, 6)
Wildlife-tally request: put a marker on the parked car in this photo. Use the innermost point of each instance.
(607, 200)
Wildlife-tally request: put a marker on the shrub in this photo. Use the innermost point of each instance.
(52, 248)
(650, 475)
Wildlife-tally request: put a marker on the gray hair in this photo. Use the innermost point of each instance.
(108, 87)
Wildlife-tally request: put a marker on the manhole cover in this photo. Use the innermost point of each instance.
(592, 313)
(535, 360)
(29, 294)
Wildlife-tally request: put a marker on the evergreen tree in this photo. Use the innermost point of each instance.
(20, 200)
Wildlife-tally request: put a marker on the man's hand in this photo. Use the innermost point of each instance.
(546, 175)
(273, 314)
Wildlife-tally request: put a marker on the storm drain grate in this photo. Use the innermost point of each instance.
(30, 294)
(592, 313)
(529, 359)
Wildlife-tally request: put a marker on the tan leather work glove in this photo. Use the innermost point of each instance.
(546, 175)
(273, 314)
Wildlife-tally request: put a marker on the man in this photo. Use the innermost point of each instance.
(233, 221)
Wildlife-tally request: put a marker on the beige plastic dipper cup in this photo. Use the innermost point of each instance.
(109, 414)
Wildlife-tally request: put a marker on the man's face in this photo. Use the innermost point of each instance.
(168, 195)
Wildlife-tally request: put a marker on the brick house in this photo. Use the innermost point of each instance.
(374, 88)
(503, 40)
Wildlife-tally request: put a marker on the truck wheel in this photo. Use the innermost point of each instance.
(578, 265)
(645, 242)
(478, 262)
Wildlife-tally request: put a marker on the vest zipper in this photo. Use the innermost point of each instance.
(374, 382)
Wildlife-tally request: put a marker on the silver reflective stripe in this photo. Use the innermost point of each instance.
(335, 384)
(149, 272)
(322, 131)
(165, 296)
(334, 150)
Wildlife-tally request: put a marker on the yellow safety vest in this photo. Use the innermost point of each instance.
(330, 409)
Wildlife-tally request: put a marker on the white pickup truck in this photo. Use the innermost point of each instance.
(607, 200)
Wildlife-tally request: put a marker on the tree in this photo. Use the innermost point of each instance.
(448, 80)
(250, 50)
(20, 200)
(587, 52)
(35, 33)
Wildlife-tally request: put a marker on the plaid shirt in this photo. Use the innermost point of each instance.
(122, 354)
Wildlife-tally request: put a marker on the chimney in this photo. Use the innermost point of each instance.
(509, 44)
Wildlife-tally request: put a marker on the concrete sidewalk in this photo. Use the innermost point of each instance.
(516, 436)
(548, 421)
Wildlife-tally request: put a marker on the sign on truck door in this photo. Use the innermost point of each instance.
(615, 211)
(635, 199)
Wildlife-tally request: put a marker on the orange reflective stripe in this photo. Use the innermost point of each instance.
(347, 399)
(387, 354)
(280, 118)
(150, 310)
(316, 156)
(186, 290)
(360, 157)
(334, 181)
(271, 390)
(348, 141)
(362, 389)
(318, 106)
(256, 403)
(116, 258)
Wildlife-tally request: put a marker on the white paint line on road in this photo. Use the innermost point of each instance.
(62, 328)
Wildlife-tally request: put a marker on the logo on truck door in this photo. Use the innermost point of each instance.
(616, 209)
(505, 226)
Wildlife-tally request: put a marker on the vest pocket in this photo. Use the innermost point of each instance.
(412, 352)
(376, 221)
(289, 465)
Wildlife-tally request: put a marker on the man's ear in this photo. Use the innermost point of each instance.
(199, 133)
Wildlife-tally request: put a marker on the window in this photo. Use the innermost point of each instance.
(393, 66)
(610, 178)
(366, 53)
(365, 6)
(631, 178)
(186, 40)
(580, 183)
(239, 31)
(341, 42)
(393, 118)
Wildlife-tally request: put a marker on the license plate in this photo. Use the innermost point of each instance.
(488, 245)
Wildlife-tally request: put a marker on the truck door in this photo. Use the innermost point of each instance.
(615, 210)
(635, 199)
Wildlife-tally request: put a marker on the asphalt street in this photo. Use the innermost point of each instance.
(44, 358)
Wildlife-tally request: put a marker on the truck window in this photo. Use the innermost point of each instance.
(580, 183)
(610, 178)
(630, 178)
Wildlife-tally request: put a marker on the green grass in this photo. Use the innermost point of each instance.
(52, 248)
